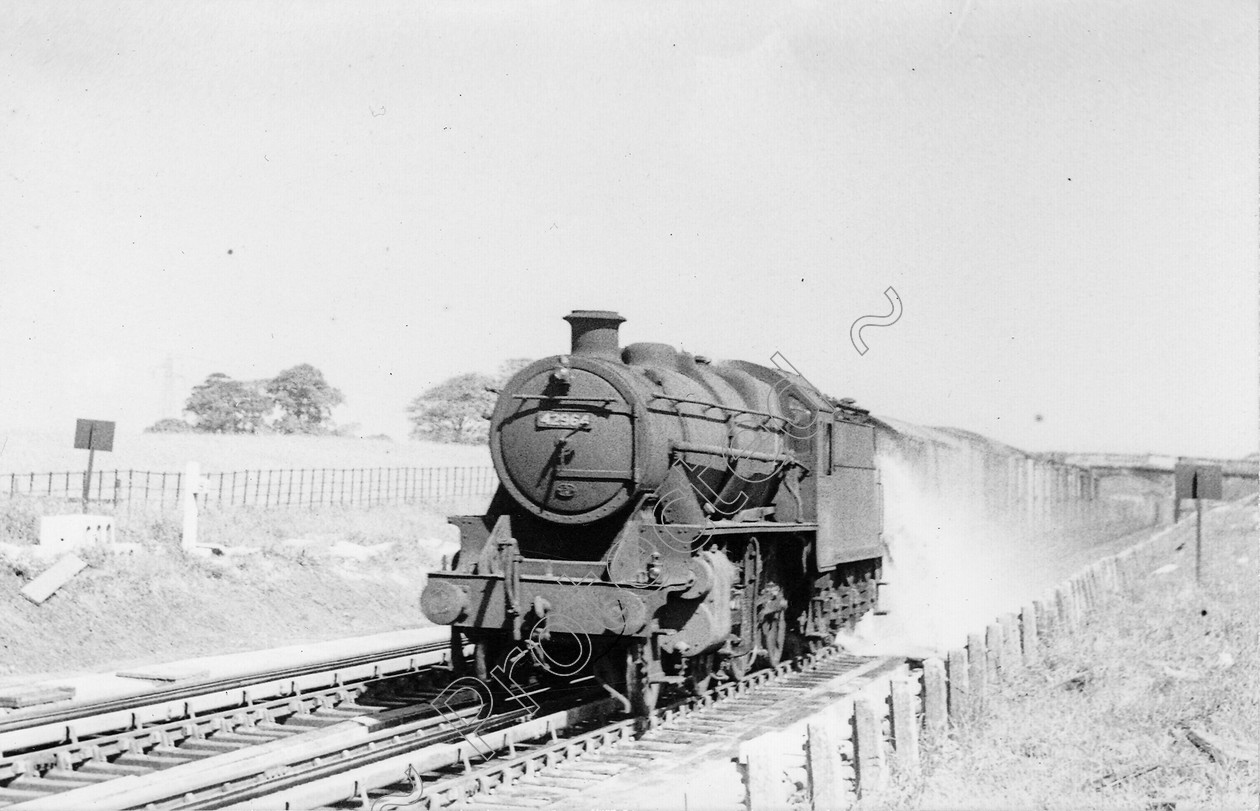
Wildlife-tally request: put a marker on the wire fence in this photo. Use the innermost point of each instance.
(301, 487)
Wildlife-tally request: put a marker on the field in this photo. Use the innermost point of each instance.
(159, 604)
(1105, 722)
(53, 452)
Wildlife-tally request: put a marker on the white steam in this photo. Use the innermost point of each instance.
(951, 569)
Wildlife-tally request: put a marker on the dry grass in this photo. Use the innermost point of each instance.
(1103, 723)
(47, 451)
(159, 604)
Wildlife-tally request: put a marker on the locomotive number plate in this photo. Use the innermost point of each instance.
(573, 420)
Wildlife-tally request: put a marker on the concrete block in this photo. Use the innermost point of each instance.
(69, 532)
(56, 576)
(31, 695)
(173, 672)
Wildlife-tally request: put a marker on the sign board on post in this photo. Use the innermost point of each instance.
(1197, 482)
(92, 436)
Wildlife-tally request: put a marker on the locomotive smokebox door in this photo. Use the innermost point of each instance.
(568, 451)
(563, 436)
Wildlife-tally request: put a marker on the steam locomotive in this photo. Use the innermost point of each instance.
(661, 519)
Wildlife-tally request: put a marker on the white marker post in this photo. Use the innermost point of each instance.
(192, 486)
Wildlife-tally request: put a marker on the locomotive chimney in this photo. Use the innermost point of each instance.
(595, 333)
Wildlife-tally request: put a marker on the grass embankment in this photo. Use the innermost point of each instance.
(159, 604)
(1103, 722)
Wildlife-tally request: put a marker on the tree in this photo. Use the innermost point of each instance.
(510, 367)
(305, 400)
(453, 410)
(169, 425)
(222, 405)
(457, 409)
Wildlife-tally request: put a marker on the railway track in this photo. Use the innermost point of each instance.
(551, 760)
(348, 746)
(48, 751)
(707, 728)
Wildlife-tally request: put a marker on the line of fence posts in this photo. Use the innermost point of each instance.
(263, 488)
(853, 746)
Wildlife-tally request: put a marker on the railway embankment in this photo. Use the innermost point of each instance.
(1148, 698)
(1130, 684)
(309, 576)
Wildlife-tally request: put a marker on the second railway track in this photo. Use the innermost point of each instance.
(46, 751)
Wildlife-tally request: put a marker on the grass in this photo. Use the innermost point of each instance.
(49, 451)
(1102, 723)
(160, 604)
(126, 610)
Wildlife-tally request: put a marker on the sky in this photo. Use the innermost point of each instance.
(1062, 194)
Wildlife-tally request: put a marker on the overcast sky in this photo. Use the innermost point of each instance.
(1064, 195)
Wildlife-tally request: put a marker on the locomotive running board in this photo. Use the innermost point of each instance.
(737, 527)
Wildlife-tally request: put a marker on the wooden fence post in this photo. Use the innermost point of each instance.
(1043, 614)
(1012, 656)
(826, 786)
(1028, 633)
(905, 726)
(977, 669)
(188, 538)
(935, 704)
(1062, 600)
(959, 685)
(765, 776)
(995, 650)
(868, 750)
